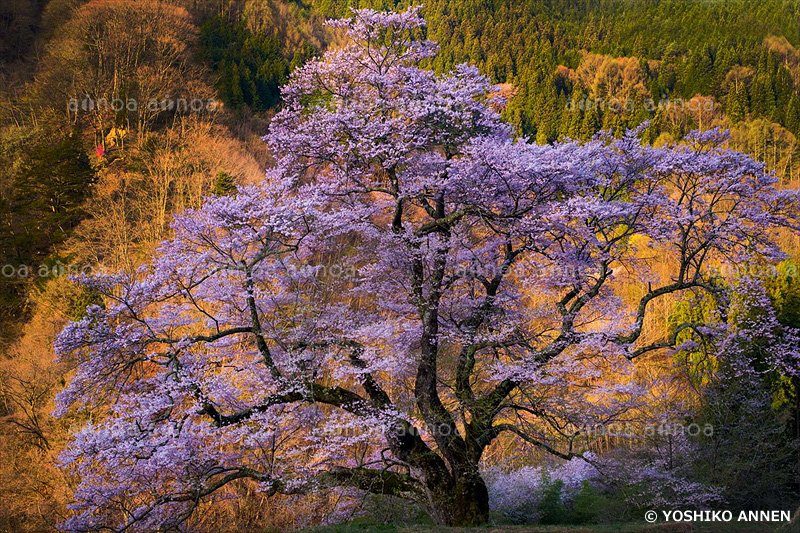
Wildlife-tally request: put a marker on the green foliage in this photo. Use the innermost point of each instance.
(223, 185)
(756, 429)
(40, 204)
(47, 195)
(752, 452)
(785, 294)
(694, 45)
(251, 67)
(85, 297)
(589, 505)
(698, 361)
(356, 526)
(551, 509)
(303, 54)
(44, 197)
(793, 114)
(684, 48)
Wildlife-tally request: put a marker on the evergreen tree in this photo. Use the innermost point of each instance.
(793, 115)
(591, 122)
(42, 207)
(735, 106)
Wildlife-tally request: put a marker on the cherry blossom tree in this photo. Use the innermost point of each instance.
(409, 279)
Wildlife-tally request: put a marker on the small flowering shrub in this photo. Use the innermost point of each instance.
(547, 495)
(515, 495)
(591, 489)
(651, 479)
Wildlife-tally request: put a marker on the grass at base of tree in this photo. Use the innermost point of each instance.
(359, 526)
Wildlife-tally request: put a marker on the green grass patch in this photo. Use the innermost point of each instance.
(361, 526)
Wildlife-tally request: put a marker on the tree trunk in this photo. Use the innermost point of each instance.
(463, 503)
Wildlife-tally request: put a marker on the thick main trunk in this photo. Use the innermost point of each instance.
(463, 503)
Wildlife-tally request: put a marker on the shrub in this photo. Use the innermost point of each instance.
(567, 493)
(590, 505)
(551, 507)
